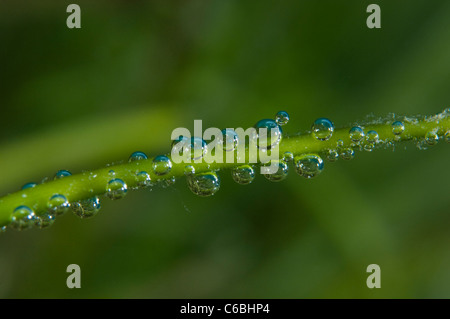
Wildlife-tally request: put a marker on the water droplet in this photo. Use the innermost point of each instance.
(372, 137)
(347, 153)
(288, 157)
(198, 148)
(87, 208)
(2, 229)
(356, 134)
(268, 134)
(322, 129)
(161, 165)
(143, 179)
(244, 174)
(281, 173)
(332, 155)
(203, 184)
(62, 173)
(58, 204)
(116, 189)
(189, 170)
(22, 218)
(339, 143)
(180, 144)
(308, 165)
(230, 140)
(111, 173)
(137, 156)
(431, 138)
(282, 118)
(45, 220)
(29, 185)
(398, 128)
(447, 136)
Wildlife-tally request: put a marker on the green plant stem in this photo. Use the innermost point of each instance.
(88, 184)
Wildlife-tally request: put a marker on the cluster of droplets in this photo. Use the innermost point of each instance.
(207, 183)
(322, 129)
(24, 217)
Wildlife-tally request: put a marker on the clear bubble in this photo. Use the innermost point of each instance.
(189, 170)
(322, 129)
(143, 179)
(288, 156)
(281, 173)
(180, 144)
(347, 153)
(58, 204)
(268, 133)
(22, 218)
(332, 155)
(87, 208)
(431, 138)
(198, 148)
(62, 173)
(45, 220)
(339, 143)
(308, 165)
(116, 189)
(29, 185)
(137, 156)
(203, 184)
(282, 118)
(398, 127)
(356, 134)
(230, 140)
(244, 174)
(372, 137)
(369, 147)
(161, 165)
(447, 136)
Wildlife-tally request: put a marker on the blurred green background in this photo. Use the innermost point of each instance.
(81, 98)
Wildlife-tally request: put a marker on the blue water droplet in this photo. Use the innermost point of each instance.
(116, 189)
(86, 208)
(347, 153)
(356, 134)
(204, 184)
(143, 179)
(198, 148)
(332, 155)
(322, 129)
(431, 138)
(268, 134)
(58, 204)
(137, 156)
(447, 136)
(244, 174)
(282, 118)
(230, 140)
(29, 185)
(161, 165)
(372, 137)
(62, 173)
(280, 174)
(308, 165)
(22, 218)
(398, 127)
